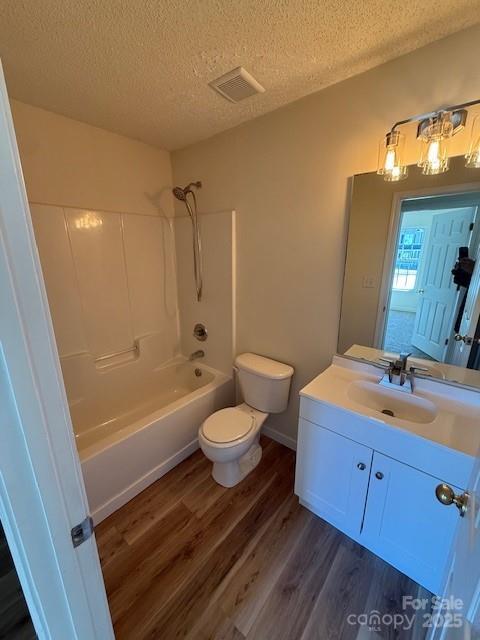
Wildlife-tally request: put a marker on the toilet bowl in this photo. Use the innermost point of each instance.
(230, 437)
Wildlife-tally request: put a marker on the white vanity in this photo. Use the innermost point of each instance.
(374, 475)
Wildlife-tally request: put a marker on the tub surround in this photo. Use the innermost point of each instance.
(217, 309)
(110, 279)
(374, 475)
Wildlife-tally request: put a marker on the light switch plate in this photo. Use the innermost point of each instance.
(368, 282)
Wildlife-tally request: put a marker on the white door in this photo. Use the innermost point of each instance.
(42, 496)
(470, 318)
(405, 523)
(459, 617)
(332, 476)
(438, 293)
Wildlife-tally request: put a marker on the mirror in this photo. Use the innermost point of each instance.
(412, 272)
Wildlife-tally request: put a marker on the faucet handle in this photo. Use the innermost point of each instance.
(414, 369)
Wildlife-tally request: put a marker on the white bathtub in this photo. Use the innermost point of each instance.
(133, 431)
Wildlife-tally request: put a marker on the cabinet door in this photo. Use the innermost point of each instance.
(404, 522)
(332, 476)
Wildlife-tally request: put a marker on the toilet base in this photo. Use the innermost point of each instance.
(228, 474)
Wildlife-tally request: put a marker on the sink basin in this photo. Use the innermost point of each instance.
(397, 404)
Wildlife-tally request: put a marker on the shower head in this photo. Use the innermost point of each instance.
(181, 194)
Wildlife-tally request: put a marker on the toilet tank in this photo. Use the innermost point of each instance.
(265, 383)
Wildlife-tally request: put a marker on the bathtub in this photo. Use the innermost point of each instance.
(132, 430)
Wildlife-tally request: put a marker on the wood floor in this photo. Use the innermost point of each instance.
(190, 559)
(15, 621)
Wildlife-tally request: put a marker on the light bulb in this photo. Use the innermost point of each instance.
(434, 152)
(390, 157)
(390, 160)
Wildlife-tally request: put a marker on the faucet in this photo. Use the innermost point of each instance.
(397, 374)
(196, 355)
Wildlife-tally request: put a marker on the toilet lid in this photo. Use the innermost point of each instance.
(227, 425)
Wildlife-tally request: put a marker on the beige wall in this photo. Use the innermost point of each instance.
(287, 176)
(72, 164)
(372, 201)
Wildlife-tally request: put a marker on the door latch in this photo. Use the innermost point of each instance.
(82, 531)
(468, 340)
(446, 495)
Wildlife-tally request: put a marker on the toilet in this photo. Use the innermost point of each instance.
(230, 437)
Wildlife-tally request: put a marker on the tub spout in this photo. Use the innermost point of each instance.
(196, 355)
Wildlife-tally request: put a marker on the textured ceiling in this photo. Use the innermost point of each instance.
(141, 67)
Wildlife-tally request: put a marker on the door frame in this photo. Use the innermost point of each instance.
(392, 242)
(42, 494)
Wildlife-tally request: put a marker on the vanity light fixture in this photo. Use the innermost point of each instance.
(434, 132)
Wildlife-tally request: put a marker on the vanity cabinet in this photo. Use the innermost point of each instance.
(382, 503)
(332, 475)
(404, 522)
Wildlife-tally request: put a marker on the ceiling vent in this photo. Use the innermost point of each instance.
(237, 85)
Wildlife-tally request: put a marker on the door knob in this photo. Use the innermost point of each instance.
(468, 340)
(446, 495)
(421, 291)
(379, 475)
(362, 466)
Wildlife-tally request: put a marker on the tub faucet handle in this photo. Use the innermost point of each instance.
(196, 355)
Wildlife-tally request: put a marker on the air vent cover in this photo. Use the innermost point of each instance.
(237, 85)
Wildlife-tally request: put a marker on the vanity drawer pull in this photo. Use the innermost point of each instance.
(379, 475)
(362, 466)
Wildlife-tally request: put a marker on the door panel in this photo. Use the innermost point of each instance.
(450, 230)
(406, 524)
(332, 476)
(462, 587)
(470, 318)
(42, 495)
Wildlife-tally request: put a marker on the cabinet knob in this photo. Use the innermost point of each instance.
(362, 466)
(379, 475)
(446, 495)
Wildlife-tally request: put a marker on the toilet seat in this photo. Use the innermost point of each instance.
(227, 425)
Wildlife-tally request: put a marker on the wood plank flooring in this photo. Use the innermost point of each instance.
(190, 559)
(15, 620)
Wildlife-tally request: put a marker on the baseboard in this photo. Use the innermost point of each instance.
(288, 441)
(142, 483)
